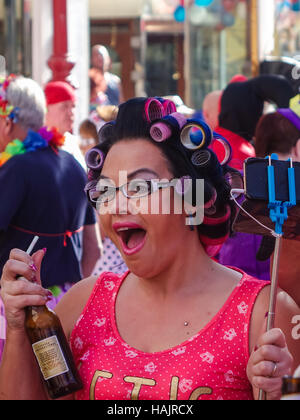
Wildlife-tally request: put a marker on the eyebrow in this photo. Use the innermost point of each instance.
(133, 174)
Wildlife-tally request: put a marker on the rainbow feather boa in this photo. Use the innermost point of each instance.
(34, 141)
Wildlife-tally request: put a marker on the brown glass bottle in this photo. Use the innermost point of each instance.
(52, 352)
(290, 388)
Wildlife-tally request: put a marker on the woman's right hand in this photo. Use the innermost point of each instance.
(21, 286)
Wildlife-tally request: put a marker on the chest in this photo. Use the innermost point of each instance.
(163, 326)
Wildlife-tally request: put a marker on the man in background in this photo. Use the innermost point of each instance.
(61, 100)
(106, 86)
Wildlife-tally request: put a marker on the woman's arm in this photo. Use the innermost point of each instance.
(20, 378)
(289, 268)
(277, 352)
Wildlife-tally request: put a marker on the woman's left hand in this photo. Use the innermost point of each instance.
(269, 362)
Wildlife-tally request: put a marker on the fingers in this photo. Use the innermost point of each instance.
(15, 268)
(14, 304)
(269, 369)
(37, 259)
(271, 386)
(269, 362)
(274, 337)
(19, 255)
(22, 264)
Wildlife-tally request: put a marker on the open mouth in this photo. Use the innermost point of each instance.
(132, 236)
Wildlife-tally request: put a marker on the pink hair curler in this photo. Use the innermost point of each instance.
(154, 110)
(212, 201)
(169, 107)
(162, 130)
(94, 158)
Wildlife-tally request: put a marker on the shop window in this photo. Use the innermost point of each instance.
(15, 35)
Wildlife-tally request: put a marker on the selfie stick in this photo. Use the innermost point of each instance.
(278, 215)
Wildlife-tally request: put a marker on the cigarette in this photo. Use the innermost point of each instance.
(32, 245)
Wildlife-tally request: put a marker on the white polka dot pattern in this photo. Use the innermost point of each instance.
(211, 365)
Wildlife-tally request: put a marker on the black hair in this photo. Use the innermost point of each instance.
(131, 123)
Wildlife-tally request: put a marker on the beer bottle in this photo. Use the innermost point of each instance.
(290, 388)
(52, 351)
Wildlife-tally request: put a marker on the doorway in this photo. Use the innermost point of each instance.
(116, 37)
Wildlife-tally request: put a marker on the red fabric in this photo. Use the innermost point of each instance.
(57, 92)
(211, 365)
(241, 148)
(238, 78)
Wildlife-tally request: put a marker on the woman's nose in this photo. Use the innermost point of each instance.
(121, 203)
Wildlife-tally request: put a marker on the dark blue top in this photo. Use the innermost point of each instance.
(43, 192)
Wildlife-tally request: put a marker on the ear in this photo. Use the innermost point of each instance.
(9, 126)
(296, 151)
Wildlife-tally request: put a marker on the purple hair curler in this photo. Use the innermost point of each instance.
(183, 185)
(154, 110)
(94, 158)
(162, 130)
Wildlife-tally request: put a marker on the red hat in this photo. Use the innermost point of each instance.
(239, 78)
(57, 92)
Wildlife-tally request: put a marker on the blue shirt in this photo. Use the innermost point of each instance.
(42, 193)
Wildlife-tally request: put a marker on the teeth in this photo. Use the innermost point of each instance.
(123, 229)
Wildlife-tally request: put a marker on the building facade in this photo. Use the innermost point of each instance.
(154, 50)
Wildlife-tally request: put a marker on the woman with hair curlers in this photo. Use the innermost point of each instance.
(177, 325)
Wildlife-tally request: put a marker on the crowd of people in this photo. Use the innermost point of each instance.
(164, 307)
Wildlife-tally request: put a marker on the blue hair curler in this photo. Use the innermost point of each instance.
(195, 135)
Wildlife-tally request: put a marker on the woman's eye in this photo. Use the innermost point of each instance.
(139, 187)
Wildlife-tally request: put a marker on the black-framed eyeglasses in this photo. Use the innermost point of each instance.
(100, 193)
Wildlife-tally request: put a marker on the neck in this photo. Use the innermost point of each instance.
(18, 132)
(181, 273)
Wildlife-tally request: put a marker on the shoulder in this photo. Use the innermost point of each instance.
(74, 302)
(286, 309)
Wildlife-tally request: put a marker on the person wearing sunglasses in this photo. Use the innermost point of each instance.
(177, 325)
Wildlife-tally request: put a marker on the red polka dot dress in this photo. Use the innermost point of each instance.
(209, 366)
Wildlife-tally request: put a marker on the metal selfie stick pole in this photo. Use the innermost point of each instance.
(278, 215)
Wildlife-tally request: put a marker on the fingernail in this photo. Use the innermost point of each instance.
(49, 293)
(33, 267)
(266, 315)
(45, 250)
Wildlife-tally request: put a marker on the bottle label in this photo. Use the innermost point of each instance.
(50, 357)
